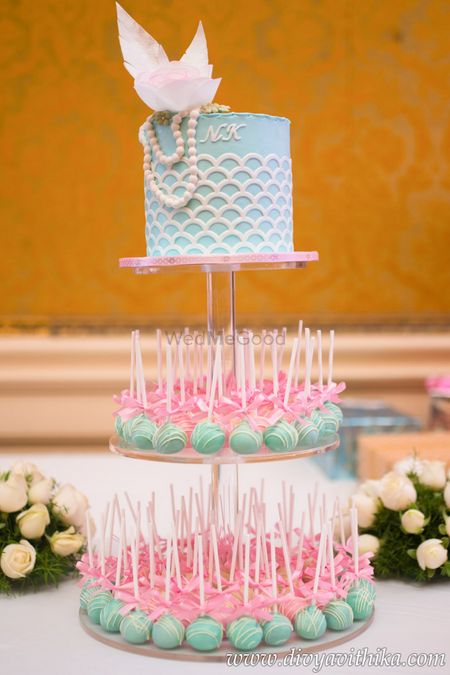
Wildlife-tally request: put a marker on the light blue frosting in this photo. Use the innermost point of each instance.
(88, 590)
(361, 597)
(252, 209)
(326, 423)
(308, 433)
(338, 615)
(96, 603)
(207, 438)
(118, 425)
(335, 410)
(245, 440)
(169, 439)
(245, 633)
(310, 623)
(277, 631)
(110, 617)
(281, 437)
(143, 432)
(204, 634)
(168, 632)
(136, 627)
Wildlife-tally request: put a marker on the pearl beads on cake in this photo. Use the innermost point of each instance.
(152, 145)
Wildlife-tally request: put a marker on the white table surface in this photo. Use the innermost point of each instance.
(40, 633)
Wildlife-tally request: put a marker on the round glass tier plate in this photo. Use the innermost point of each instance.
(328, 641)
(220, 263)
(224, 456)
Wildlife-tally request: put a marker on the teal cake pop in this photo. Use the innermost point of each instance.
(338, 615)
(308, 433)
(204, 634)
(361, 597)
(136, 627)
(281, 436)
(168, 632)
(110, 617)
(244, 440)
(245, 633)
(335, 410)
(169, 439)
(118, 425)
(129, 426)
(143, 432)
(310, 623)
(96, 604)
(207, 438)
(277, 631)
(326, 423)
(89, 589)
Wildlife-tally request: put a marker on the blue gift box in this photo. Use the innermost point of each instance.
(362, 417)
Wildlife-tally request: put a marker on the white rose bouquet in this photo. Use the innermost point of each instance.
(41, 528)
(404, 520)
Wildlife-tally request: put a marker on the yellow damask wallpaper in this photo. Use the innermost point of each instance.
(365, 83)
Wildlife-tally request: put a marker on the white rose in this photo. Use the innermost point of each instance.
(431, 554)
(371, 488)
(368, 543)
(70, 505)
(366, 507)
(397, 492)
(13, 495)
(413, 521)
(28, 470)
(433, 475)
(409, 465)
(347, 526)
(447, 525)
(33, 521)
(83, 528)
(66, 543)
(18, 560)
(41, 492)
(447, 495)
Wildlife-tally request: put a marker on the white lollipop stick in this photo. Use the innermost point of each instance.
(246, 567)
(282, 348)
(287, 561)
(102, 545)
(151, 550)
(132, 365)
(115, 505)
(301, 539)
(120, 551)
(242, 373)
(159, 358)
(124, 542)
(215, 376)
(341, 522)
(201, 573)
(355, 542)
(251, 358)
(169, 384)
(89, 538)
(319, 358)
(216, 558)
(262, 355)
(275, 362)
(331, 556)
(330, 358)
(176, 559)
(188, 352)
(168, 566)
(297, 360)
(134, 563)
(312, 342)
(290, 371)
(141, 369)
(320, 553)
(237, 529)
(258, 547)
(273, 566)
(181, 367)
(196, 359)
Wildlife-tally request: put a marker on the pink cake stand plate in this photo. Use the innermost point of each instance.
(220, 263)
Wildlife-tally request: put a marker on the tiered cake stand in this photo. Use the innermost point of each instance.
(221, 320)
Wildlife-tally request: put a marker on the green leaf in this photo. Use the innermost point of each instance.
(442, 529)
(412, 552)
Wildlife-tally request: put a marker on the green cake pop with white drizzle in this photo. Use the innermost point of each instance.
(136, 627)
(278, 630)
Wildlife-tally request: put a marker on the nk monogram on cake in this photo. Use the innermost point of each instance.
(217, 184)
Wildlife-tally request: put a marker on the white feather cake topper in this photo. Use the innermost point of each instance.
(160, 83)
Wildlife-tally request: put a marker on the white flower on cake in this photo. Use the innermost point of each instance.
(28, 470)
(18, 560)
(13, 494)
(160, 83)
(368, 543)
(413, 521)
(431, 554)
(397, 492)
(433, 474)
(70, 505)
(66, 543)
(33, 521)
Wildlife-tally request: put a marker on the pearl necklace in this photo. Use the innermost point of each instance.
(152, 146)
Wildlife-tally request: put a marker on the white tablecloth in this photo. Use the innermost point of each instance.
(40, 633)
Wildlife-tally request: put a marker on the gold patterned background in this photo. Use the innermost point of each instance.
(365, 83)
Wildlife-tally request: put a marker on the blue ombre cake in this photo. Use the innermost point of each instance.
(242, 202)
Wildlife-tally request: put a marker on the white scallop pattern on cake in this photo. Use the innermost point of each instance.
(241, 205)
